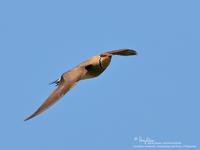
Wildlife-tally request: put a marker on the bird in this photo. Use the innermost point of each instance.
(90, 68)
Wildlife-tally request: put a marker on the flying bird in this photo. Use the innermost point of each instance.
(90, 68)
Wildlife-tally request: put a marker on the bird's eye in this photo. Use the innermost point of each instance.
(102, 55)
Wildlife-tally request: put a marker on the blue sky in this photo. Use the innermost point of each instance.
(154, 94)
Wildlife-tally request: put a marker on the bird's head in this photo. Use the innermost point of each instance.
(104, 60)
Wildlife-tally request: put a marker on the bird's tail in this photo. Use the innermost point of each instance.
(57, 82)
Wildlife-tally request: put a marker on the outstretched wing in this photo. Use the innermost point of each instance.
(69, 79)
(123, 52)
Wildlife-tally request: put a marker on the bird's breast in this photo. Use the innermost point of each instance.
(93, 71)
(95, 66)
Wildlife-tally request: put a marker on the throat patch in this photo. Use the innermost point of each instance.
(100, 63)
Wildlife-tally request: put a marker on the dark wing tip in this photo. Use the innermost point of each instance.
(130, 52)
(31, 116)
(123, 52)
(28, 118)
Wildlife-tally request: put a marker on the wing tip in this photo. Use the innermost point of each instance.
(131, 52)
(33, 115)
(28, 118)
(123, 52)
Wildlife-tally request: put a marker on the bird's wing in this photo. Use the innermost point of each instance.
(69, 79)
(123, 52)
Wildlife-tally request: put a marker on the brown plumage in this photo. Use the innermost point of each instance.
(88, 69)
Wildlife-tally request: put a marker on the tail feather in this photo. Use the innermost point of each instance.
(57, 82)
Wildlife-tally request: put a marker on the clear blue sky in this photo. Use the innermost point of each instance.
(155, 94)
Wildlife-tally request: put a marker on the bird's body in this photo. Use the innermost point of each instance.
(95, 66)
(90, 68)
